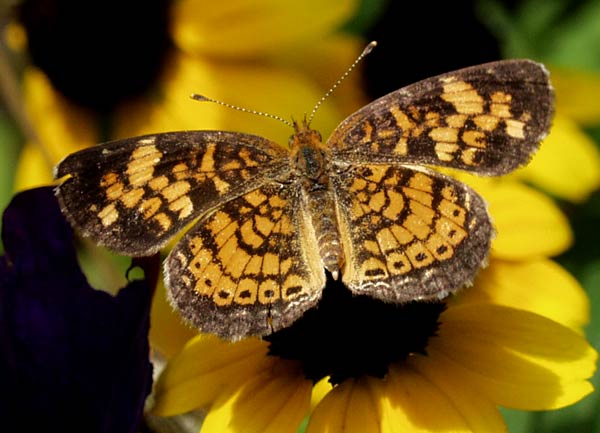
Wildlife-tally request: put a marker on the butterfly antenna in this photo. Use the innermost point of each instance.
(203, 98)
(362, 55)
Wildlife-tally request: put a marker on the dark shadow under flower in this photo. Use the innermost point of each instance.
(72, 358)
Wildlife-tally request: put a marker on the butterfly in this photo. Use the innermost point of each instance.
(268, 222)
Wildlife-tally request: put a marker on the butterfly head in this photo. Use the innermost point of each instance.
(305, 135)
(309, 155)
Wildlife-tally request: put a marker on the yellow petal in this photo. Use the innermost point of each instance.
(540, 286)
(319, 391)
(271, 402)
(168, 333)
(479, 413)
(15, 36)
(265, 88)
(204, 368)
(528, 223)
(518, 359)
(244, 28)
(577, 94)
(351, 407)
(567, 164)
(61, 127)
(413, 404)
(174, 110)
(33, 169)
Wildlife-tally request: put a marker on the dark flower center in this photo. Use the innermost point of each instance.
(350, 336)
(98, 53)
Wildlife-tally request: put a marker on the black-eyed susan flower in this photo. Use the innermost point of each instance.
(357, 365)
(72, 358)
(477, 356)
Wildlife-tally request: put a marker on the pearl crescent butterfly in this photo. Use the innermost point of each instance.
(270, 221)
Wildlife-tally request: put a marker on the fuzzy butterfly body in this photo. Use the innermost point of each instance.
(270, 221)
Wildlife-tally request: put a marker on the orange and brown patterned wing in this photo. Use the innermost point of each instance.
(249, 267)
(409, 233)
(486, 119)
(133, 195)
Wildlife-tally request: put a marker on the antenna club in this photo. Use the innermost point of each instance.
(369, 48)
(198, 97)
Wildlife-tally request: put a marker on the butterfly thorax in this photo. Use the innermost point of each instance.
(310, 164)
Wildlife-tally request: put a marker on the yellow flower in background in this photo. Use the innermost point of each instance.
(530, 228)
(60, 127)
(236, 52)
(568, 162)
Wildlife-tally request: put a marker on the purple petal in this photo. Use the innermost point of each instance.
(72, 358)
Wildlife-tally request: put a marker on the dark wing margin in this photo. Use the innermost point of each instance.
(487, 119)
(133, 195)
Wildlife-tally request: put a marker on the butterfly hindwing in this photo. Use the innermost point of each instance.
(249, 267)
(409, 233)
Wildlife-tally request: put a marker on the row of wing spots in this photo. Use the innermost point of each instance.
(124, 188)
(219, 167)
(476, 114)
(175, 184)
(488, 106)
(243, 258)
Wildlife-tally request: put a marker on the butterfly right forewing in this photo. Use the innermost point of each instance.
(488, 119)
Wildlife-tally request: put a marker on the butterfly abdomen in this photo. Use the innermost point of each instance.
(321, 207)
(311, 165)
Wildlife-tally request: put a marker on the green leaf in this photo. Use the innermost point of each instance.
(556, 32)
(9, 150)
(366, 15)
(575, 40)
(517, 421)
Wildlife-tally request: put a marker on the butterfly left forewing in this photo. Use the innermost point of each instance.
(487, 119)
(133, 195)
(409, 233)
